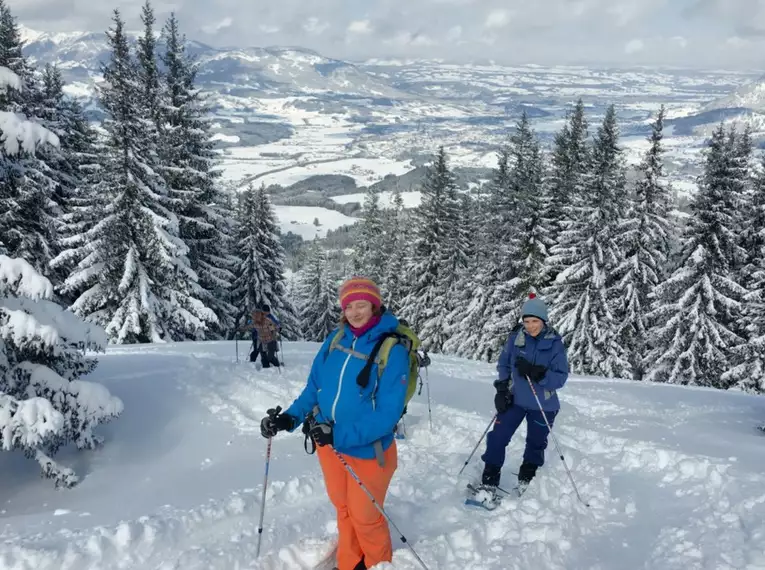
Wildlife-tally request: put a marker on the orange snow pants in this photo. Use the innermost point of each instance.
(362, 528)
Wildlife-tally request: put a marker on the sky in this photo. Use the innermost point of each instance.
(727, 34)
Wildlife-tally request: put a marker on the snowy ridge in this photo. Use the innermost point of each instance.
(674, 477)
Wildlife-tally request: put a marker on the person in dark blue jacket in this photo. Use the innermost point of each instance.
(533, 357)
(357, 420)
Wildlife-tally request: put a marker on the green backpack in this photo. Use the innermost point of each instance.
(402, 335)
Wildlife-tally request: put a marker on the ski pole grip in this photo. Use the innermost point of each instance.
(275, 412)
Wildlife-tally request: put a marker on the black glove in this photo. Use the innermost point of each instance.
(322, 434)
(503, 400)
(535, 372)
(275, 422)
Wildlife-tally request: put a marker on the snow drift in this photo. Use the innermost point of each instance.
(675, 477)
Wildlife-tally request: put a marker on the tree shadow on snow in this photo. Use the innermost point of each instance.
(147, 428)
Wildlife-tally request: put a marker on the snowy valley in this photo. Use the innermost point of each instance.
(289, 115)
(675, 477)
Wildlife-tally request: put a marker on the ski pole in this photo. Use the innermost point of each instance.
(555, 440)
(488, 427)
(265, 484)
(377, 505)
(281, 348)
(427, 389)
(236, 342)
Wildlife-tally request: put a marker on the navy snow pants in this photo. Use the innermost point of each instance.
(505, 426)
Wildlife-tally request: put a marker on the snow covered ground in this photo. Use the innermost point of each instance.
(675, 477)
(300, 220)
(410, 199)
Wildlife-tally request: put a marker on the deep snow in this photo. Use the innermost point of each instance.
(674, 477)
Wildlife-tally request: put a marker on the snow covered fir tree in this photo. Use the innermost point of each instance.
(44, 405)
(259, 276)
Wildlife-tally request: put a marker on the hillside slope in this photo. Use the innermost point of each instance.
(675, 477)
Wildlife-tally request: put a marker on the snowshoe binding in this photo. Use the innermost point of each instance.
(488, 497)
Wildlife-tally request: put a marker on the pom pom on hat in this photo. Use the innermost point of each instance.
(359, 289)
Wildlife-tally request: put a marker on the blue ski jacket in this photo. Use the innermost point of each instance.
(361, 416)
(545, 349)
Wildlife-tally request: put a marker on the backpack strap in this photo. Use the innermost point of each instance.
(363, 378)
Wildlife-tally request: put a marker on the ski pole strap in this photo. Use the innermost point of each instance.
(310, 448)
(306, 443)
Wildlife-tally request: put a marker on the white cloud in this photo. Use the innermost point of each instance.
(362, 27)
(454, 33)
(215, 28)
(634, 46)
(315, 26)
(497, 19)
(408, 39)
(705, 33)
(737, 42)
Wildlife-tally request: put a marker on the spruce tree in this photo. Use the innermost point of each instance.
(570, 163)
(188, 168)
(472, 296)
(28, 182)
(73, 167)
(433, 238)
(369, 256)
(43, 403)
(396, 251)
(524, 241)
(275, 294)
(645, 240)
(131, 263)
(259, 277)
(748, 371)
(698, 310)
(588, 252)
(317, 290)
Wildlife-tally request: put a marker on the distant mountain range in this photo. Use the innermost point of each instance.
(296, 107)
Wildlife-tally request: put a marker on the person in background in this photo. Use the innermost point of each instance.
(267, 330)
(534, 353)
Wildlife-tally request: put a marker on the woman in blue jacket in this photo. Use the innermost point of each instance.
(357, 421)
(533, 353)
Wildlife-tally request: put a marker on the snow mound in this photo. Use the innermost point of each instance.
(675, 476)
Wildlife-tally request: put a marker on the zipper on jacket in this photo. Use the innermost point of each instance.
(340, 383)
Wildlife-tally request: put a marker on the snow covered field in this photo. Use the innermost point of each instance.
(300, 220)
(411, 199)
(675, 477)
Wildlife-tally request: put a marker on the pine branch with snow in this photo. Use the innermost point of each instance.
(43, 403)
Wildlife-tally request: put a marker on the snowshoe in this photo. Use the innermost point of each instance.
(520, 488)
(488, 497)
